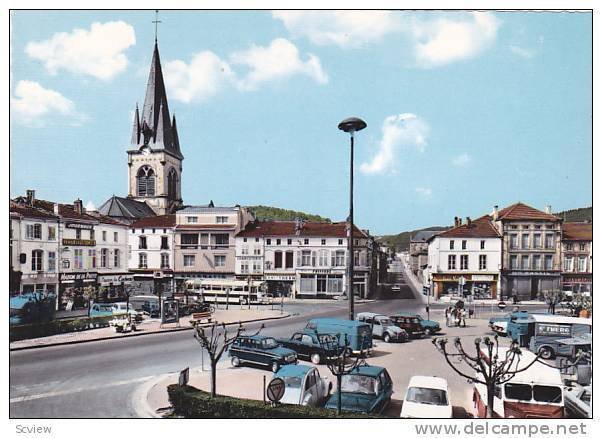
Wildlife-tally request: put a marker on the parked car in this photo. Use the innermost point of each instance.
(303, 385)
(308, 345)
(499, 324)
(426, 397)
(195, 307)
(366, 389)
(357, 335)
(261, 350)
(409, 322)
(577, 401)
(120, 309)
(383, 327)
(101, 309)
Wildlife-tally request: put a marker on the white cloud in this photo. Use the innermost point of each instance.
(522, 52)
(97, 52)
(90, 206)
(207, 73)
(204, 76)
(426, 192)
(278, 60)
(462, 160)
(32, 103)
(403, 130)
(447, 39)
(341, 28)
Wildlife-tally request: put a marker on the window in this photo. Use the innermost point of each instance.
(257, 239)
(549, 241)
(537, 240)
(78, 234)
(524, 262)
(244, 250)
(356, 258)
(335, 284)
(142, 260)
(537, 227)
(104, 255)
(115, 237)
(256, 266)
(307, 283)
(536, 262)
(244, 267)
(513, 241)
(268, 241)
(78, 258)
(581, 246)
(451, 262)
(36, 260)
(518, 391)
(549, 262)
(204, 240)
(288, 259)
(451, 244)
(104, 236)
(221, 240)
(339, 258)
(305, 241)
(188, 260)
(513, 227)
(172, 184)
(192, 219)
(464, 261)
(278, 259)
(33, 231)
(305, 258)
(91, 234)
(142, 242)
(52, 233)
(582, 265)
(219, 260)
(278, 241)
(145, 181)
(321, 283)
(323, 241)
(164, 242)
(340, 241)
(91, 258)
(482, 244)
(513, 262)
(289, 241)
(323, 258)
(464, 244)
(257, 250)
(547, 394)
(568, 264)
(116, 258)
(525, 241)
(190, 241)
(482, 262)
(221, 219)
(51, 261)
(164, 260)
(568, 246)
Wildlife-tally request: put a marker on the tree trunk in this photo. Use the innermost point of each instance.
(490, 399)
(213, 377)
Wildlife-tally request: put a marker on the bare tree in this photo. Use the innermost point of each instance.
(552, 299)
(215, 340)
(338, 359)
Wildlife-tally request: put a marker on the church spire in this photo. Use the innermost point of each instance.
(136, 127)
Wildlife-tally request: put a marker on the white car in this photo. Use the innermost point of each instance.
(427, 397)
(121, 309)
(303, 385)
(577, 401)
(500, 327)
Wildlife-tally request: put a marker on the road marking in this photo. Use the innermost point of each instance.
(76, 390)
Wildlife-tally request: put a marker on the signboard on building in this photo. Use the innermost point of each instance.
(280, 277)
(553, 330)
(79, 242)
(79, 226)
(115, 279)
(70, 277)
(483, 278)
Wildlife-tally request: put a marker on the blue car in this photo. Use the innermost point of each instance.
(261, 350)
(366, 389)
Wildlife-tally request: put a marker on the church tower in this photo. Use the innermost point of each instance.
(154, 158)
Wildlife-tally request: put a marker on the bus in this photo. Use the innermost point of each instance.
(536, 392)
(231, 291)
(541, 332)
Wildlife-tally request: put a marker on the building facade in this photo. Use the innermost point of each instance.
(577, 267)
(465, 260)
(531, 243)
(418, 252)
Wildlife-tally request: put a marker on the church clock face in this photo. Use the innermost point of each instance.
(145, 150)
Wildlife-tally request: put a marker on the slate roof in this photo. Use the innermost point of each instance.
(66, 211)
(117, 206)
(309, 229)
(209, 208)
(423, 236)
(520, 211)
(164, 221)
(481, 227)
(28, 211)
(577, 231)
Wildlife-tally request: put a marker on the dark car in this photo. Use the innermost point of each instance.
(366, 389)
(261, 350)
(312, 346)
(409, 322)
(195, 307)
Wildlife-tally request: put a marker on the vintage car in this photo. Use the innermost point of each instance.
(383, 327)
(409, 322)
(499, 324)
(426, 397)
(366, 389)
(261, 350)
(121, 309)
(577, 401)
(311, 346)
(303, 385)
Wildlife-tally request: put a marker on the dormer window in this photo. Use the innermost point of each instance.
(192, 219)
(221, 219)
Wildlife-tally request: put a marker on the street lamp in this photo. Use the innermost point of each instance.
(351, 125)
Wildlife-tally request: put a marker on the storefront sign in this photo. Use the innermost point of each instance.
(79, 226)
(553, 330)
(576, 280)
(68, 277)
(78, 242)
(454, 278)
(117, 279)
(483, 278)
(280, 277)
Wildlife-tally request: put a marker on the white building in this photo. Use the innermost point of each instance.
(468, 254)
(302, 259)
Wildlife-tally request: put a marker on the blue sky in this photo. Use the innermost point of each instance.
(464, 110)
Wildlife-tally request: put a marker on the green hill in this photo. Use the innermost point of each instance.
(401, 241)
(577, 214)
(265, 213)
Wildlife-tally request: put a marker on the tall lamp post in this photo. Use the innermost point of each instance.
(351, 125)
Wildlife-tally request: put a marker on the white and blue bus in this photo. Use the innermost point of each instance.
(231, 291)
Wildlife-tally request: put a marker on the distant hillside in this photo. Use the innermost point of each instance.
(577, 214)
(401, 241)
(264, 213)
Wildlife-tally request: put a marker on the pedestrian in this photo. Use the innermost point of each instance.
(447, 311)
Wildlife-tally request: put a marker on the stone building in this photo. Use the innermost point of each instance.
(577, 266)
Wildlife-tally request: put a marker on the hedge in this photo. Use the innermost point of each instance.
(190, 402)
(38, 330)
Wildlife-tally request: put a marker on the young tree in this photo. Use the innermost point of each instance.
(552, 299)
(89, 293)
(215, 339)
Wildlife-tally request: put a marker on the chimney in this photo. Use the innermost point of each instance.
(78, 206)
(56, 208)
(459, 221)
(549, 209)
(495, 212)
(31, 197)
(468, 221)
(455, 221)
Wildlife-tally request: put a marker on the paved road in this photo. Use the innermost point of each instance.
(98, 379)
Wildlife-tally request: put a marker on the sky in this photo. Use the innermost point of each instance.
(464, 110)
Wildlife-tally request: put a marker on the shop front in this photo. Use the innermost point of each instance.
(320, 283)
(71, 289)
(477, 286)
(112, 287)
(154, 283)
(577, 283)
(527, 285)
(44, 283)
(280, 284)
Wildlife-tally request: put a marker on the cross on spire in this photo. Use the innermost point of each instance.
(156, 21)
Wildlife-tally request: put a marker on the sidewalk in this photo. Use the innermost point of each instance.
(147, 327)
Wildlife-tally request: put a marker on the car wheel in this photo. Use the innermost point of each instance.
(546, 353)
(235, 361)
(275, 367)
(428, 332)
(316, 358)
(387, 337)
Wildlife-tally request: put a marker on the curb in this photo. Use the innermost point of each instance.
(105, 338)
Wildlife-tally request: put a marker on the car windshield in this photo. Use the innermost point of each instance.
(518, 391)
(357, 383)
(547, 394)
(270, 343)
(427, 396)
(292, 382)
(419, 318)
(386, 321)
